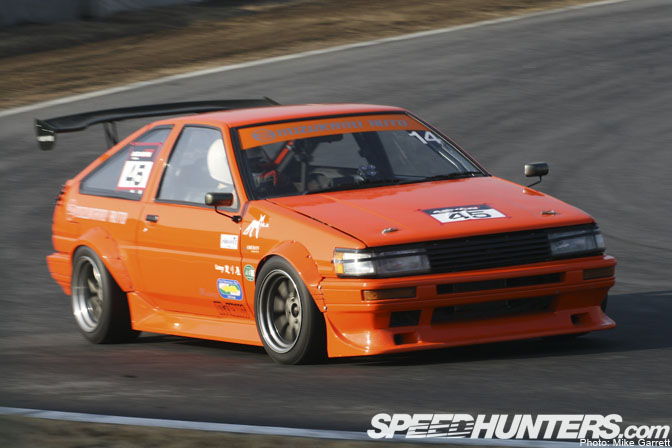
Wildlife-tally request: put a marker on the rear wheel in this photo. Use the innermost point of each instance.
(100, 307)
(289, 323)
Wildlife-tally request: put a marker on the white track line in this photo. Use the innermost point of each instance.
(289, 57)
(266, 430)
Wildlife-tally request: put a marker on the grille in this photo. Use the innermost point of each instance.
(490, 251)
(516, 282)
(404, 318)
(490, 310)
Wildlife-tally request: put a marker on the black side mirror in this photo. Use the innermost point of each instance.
(222, 200)
(219, 199)
(536, 169)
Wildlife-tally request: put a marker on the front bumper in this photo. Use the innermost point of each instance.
(465, 308)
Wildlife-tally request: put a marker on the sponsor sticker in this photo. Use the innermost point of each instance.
(227, 241)
(229, 289)
(231, 309)
(248, 272)
(252, 230)
(464, 213)
(256, 136)
(228, 269)
(74, 211)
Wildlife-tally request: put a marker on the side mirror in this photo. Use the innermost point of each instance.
(222, 200)
(536, 169)
(219, 199)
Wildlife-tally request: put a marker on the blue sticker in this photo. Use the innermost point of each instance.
(229, 289)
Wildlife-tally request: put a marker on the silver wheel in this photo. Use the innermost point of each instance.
(280, 310)
(100, 307)
(87, 294)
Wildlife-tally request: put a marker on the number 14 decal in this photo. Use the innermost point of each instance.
(427, 137)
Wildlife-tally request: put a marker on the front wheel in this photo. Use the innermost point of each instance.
(100, 307)
(289, 323)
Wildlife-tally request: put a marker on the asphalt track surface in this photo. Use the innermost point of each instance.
(586, 90)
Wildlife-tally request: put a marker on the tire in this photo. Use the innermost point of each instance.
(100, 307)
(290, 325)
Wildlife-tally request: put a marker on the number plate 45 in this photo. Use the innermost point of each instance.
(464, 213)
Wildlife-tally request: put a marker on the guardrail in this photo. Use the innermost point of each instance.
(15, 12)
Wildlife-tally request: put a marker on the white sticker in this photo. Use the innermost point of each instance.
(464, 213)
(228, 269)
(254, 227)
(142, 154)
(428, 137)
(135, 175)
(227, 241)
(74, 211)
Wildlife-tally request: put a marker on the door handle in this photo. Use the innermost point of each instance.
(152, 218)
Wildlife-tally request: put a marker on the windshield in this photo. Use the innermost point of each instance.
(345, 153)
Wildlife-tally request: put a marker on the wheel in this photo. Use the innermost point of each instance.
(289, 323)
(99, 305)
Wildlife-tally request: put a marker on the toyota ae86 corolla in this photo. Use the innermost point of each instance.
(315, 230)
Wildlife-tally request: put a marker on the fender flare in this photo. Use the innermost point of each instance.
(101, 242)
(298, 256)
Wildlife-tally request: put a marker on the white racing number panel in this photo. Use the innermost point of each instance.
(464, 213)
(138, 166)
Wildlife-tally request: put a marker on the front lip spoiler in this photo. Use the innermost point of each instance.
(426, 336)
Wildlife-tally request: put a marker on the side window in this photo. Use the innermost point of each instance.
(126, 172)
(197, 165)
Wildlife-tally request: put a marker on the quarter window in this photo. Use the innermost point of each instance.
(197, 165)
(126, 172)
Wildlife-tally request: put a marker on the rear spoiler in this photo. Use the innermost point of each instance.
(46, 130)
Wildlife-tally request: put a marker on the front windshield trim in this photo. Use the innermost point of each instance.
(248, 180)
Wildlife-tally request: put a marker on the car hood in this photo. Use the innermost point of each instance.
(411, 213)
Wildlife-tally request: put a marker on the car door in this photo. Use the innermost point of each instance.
(189, 255)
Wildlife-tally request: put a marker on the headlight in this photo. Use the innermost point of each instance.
(378, 263)
(585, 239)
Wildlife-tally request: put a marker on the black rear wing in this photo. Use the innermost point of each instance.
(46, 130)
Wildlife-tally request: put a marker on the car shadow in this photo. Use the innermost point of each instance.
(158, 339)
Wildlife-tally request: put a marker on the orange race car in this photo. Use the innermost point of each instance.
(328, 229)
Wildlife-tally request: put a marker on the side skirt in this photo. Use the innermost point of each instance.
(145, 317)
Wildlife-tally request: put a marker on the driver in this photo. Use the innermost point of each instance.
(218, 168)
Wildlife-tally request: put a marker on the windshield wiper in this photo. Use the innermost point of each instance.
(460, 175)
(383, 182)
(359, 185)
